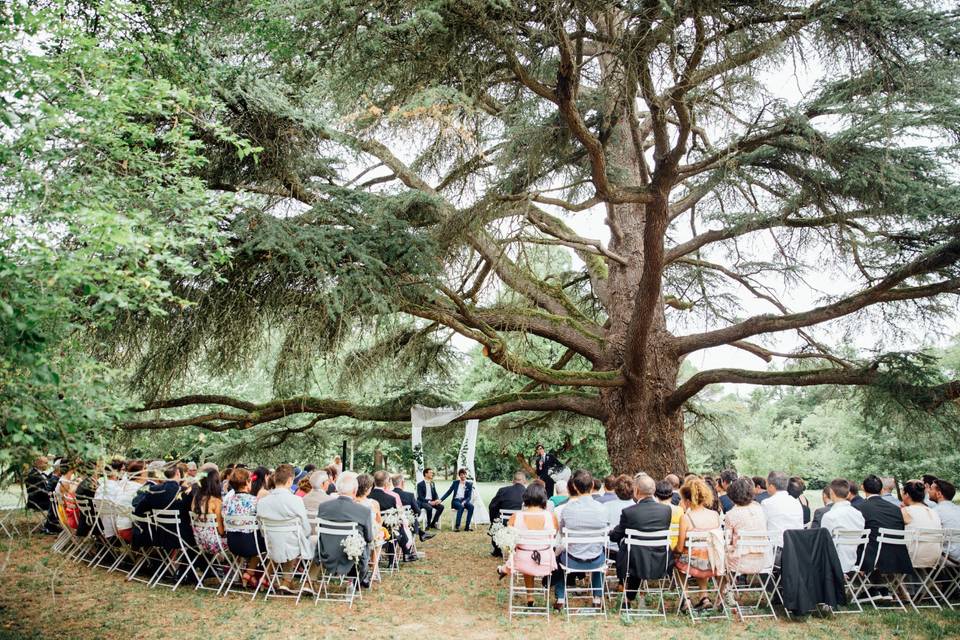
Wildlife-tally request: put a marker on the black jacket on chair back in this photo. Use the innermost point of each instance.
(810, 571)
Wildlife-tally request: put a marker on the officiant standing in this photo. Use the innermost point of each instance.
(543, 464)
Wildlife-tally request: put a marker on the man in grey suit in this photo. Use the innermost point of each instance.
(330, 553)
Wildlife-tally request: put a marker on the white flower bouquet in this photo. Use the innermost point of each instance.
(354, 546)
(505, 538)
(393, 520)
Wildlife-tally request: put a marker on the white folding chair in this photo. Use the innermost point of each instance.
(180, 560)
(299, 573)
(542, 542)
(110, 512)
(241, 524)
(581, 537)
(334, 587)
(390, 550)
(852, 542)
(894, 582)
(699, 541)
(752, 544)
(946, 580)
(505, 515)
(217, 560)
(925, 571)
(148, 553)
(8, 521)
(408, 518)
(639, 542)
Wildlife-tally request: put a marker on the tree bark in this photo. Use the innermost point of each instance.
(643, 433)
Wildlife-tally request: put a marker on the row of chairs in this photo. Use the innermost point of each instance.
(216, 568)
(754, 592)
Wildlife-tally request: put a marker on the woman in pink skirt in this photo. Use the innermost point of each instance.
(533, 561)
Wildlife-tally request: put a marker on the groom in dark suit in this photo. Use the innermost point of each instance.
(429, 499)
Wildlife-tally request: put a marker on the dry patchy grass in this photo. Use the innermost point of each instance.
(454, 593)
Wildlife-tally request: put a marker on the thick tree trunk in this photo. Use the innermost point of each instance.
(642, 435)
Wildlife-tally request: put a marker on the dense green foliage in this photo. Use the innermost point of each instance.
(99, 206)
(304, 203)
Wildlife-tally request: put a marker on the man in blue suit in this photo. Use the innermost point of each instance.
(427, 498)
(462, 491)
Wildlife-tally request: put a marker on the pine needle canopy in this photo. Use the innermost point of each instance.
(411, 163)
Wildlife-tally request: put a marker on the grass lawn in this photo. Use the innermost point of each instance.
(453, 593)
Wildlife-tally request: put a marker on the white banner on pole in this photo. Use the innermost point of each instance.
(421, 417)
(468, 451)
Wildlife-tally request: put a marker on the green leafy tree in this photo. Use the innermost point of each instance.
(411, 155)
(100, 206)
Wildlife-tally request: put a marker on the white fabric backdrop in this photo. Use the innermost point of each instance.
(421, 417)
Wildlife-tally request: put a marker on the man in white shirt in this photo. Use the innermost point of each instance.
(842, 515)
(782, 510)
(942, 493)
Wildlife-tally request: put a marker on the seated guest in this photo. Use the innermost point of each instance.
(782, 510)
(260, 480)
(843, 515)
(333, 472)
(664, 495)
(167, 495)
(760, 488)
(727, 477)
(38, 498)
(303, 486)
(206, 502)
(364, 487)
(880, 514)
(462, 491)
(85, 493)
(66, 491)
(428, 498)
(131, 486)
(597, 489)
(389, 500)
(698, 517)
(646, 516)
(281, 505)
(561, 493)
(536, 561)
(242, 502)
(928, 481)
(344, 508)
(581, 513)
(941, 494)
(624, 494)
(108, 489)
(407, 499)
(510, 497)
(746, 516)
(796, 487)
(917, 515)
(317, 494)
(674, 481)
(609, 493)
(818, 514)
(855, 498)
(889, 486)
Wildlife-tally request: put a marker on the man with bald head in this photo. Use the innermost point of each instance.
(645, 563)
